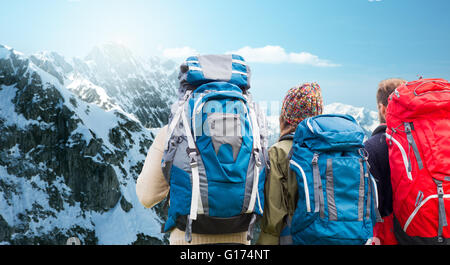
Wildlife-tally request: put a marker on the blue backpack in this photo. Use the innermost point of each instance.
(215, 157)
(337, 196)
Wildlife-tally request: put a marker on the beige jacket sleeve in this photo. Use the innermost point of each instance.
(151, 186)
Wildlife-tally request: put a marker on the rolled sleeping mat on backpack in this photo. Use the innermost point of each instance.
(202, 69)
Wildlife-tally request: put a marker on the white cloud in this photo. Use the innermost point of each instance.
(267, 54)
(277, 54)
(311, 59)
(179, 53)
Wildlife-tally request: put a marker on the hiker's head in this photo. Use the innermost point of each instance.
(385, 89)
(301, 102)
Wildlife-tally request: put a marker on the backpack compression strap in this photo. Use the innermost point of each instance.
(258, 164)
(372, 185)
(193, 155)
(256, 149)
(176, 118)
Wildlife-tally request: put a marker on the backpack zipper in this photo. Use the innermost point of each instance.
(404, 156)
(438, 82)
(305, 185)
(409, 127)
(416, 210)
(318, 190)
(442, 216)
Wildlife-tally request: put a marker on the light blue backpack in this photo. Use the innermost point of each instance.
(337, 195)
(215, 156)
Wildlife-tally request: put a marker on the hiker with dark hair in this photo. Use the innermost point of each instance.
(301, 102)
(379, 163)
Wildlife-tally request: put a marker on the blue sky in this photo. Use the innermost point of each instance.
(347, 46)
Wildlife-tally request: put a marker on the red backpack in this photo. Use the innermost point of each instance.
(418, 138)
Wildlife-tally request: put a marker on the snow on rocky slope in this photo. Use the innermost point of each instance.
(71, 152)
(367, 119)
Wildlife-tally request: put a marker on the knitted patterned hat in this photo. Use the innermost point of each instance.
(302, 102)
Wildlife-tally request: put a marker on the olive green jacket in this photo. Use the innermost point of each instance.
(280, 193)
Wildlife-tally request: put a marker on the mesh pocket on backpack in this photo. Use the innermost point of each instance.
(225, 129)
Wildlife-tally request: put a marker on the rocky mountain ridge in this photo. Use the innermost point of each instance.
(71, 154)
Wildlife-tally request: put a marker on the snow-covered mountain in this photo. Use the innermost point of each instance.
(73, 140)
(367, 119)
(111, 75)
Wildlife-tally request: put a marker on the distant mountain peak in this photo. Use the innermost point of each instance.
(6, 52)
(367, 119)
(111, 53)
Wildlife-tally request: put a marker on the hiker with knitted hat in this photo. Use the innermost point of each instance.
(301, 102)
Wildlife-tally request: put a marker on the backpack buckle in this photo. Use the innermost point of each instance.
(192, 153)
(257, 158)
(193, 163)
(315, 159)
(364, 154)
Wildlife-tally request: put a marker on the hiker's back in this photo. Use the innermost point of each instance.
(215, 154)
(418, 137)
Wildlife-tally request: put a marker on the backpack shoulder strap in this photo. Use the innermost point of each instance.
(286, 137)
(289, 136)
